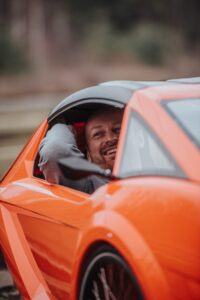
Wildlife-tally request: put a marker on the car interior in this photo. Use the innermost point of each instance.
(77, 117)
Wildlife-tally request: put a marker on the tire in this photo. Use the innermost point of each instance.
(107, 276)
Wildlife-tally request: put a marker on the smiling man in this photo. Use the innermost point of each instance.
(101, 136)
(102, 133)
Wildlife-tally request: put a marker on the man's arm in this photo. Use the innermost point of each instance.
(59, 142)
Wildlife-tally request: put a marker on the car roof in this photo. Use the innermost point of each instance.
(104, 94)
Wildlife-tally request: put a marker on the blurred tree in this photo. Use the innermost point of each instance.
(12, 58)
(190, 21)
(124, 14)
(53, 30)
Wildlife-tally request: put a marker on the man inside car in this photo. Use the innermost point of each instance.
(101, 136)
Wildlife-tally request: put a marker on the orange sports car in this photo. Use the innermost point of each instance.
(137, 236)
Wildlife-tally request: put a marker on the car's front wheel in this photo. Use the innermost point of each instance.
(108, 277)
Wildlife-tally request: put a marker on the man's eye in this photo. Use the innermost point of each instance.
(97, 134)
(117, 130)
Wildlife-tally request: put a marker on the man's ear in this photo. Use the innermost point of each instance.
(88, 155)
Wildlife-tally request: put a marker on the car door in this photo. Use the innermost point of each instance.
(40, 226)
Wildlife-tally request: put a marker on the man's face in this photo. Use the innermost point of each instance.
(102, 133)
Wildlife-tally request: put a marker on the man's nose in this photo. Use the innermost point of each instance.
(111, 137)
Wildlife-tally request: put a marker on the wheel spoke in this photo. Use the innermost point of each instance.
(102, 276)
(108, 278)
(95, 291)
(121, 280)
(110, 272)
(107, 290)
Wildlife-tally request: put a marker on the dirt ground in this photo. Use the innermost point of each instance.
(75, 76)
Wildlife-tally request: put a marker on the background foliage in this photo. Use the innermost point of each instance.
(41, 32)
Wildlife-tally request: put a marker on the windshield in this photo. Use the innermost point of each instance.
(144, 154)
(186, 113)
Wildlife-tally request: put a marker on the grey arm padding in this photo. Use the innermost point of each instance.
(59, 142)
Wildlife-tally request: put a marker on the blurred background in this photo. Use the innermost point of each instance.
(49, 49)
